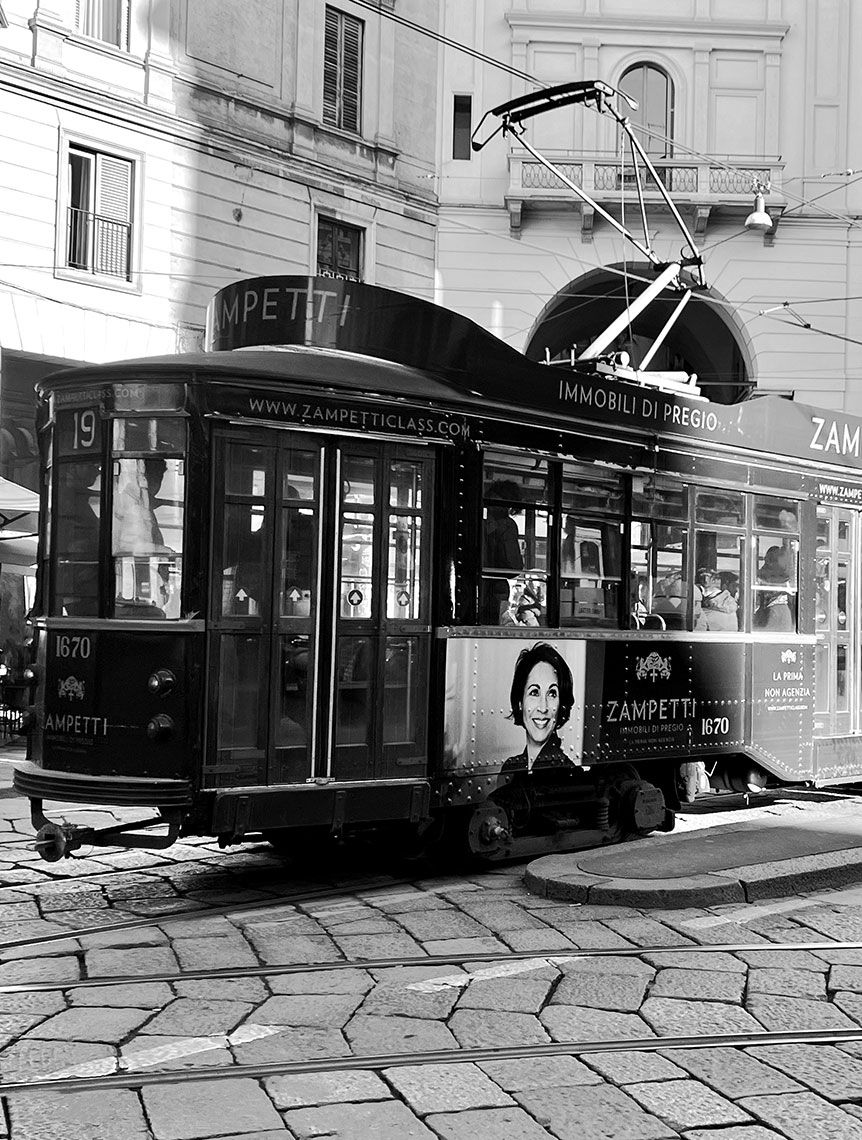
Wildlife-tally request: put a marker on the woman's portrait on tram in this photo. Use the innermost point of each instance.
(541, 700)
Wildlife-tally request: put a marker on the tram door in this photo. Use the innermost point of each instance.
(837, 622)
(320, 609)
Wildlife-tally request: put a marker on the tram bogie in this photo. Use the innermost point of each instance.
(358, 585)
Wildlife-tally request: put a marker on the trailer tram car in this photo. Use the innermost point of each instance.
(361, 565)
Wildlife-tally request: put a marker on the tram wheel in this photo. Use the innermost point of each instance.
(489, 832)
(619, 815)
(51, 842)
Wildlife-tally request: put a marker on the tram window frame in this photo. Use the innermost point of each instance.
(592, 514)
(775, 564)
(662, 594)
(75, 507)
(514, 581)
(720, 538)
(154, 571)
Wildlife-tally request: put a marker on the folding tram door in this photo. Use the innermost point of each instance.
(838, 708)
(319, 613)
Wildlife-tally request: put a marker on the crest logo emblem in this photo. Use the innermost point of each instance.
(788, 656)
(71, 689)
(653, 666)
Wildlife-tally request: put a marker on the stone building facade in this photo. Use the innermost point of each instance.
(153, 151)
(735, 95)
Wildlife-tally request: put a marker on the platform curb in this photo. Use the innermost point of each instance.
(558, 877)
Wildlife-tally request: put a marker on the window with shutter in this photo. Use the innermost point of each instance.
(99, 223)
(105, 20)
(342, 70)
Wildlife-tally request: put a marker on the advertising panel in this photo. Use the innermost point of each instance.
(513, 704)
(522, 703)
(671, 698)
(782, 707)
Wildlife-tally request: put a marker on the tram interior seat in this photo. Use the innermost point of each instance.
(654, 621)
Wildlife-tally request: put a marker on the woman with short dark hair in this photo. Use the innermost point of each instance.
(541, 701)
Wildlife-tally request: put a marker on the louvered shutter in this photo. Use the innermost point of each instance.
(330, 67)
(106, 20)
(113, 216)
(351, 74)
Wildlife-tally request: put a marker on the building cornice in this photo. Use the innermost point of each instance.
(172, 127)
(590, 25)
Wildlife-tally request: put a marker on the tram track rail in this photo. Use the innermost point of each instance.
(554, 957)
(125, 1078)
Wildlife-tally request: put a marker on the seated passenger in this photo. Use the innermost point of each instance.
(774, 611)
(719, 605)
(669, 600)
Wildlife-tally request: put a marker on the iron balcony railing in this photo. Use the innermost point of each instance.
(98, 245)
(701, 183)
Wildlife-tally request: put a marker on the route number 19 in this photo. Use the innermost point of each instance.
(84, 429)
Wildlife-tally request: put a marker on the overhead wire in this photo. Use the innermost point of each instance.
(376, 7)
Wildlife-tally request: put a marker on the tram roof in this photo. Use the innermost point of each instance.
(348, 337)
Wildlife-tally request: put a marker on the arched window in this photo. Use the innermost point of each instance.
(653, 91)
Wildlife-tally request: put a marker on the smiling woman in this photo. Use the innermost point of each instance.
(541, 698)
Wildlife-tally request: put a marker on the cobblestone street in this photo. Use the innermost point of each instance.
(152, 1020)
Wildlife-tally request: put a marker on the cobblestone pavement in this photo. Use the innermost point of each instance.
(801, 1092)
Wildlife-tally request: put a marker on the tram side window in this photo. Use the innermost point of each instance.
(590, 547)
(719, 558)
(515, 540)
(147, 522)
(77, 513)
(776, 546)
(660, 594)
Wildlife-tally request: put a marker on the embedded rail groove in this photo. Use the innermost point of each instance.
(541, 958)
(135, 1080)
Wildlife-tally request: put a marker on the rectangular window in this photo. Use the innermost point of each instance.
(106, 20)
(342, 71)
(99, 213)
(719, 560)
(148, 495)
(339, 250)
(78, 509)
(462, 116)
(591, 547)
(516, 526)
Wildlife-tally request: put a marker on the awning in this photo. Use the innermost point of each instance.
(15, 501)
(17, 551)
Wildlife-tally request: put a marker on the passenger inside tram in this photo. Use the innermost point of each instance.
(776, 603)
(719, 602)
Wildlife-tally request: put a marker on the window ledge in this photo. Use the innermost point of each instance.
(99, 280)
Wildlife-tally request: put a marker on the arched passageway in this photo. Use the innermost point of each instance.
(706, 338)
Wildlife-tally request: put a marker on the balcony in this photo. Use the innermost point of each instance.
(699, 190)
(98, 245)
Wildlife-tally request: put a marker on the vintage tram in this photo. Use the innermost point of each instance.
(361, 565)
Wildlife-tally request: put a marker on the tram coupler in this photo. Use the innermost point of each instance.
(56, 841)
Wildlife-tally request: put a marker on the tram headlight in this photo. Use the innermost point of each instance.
(161, 682)
(31, 674)
(160, 727)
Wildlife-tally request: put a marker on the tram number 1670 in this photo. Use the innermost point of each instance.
(715, 725)
(69, 645)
